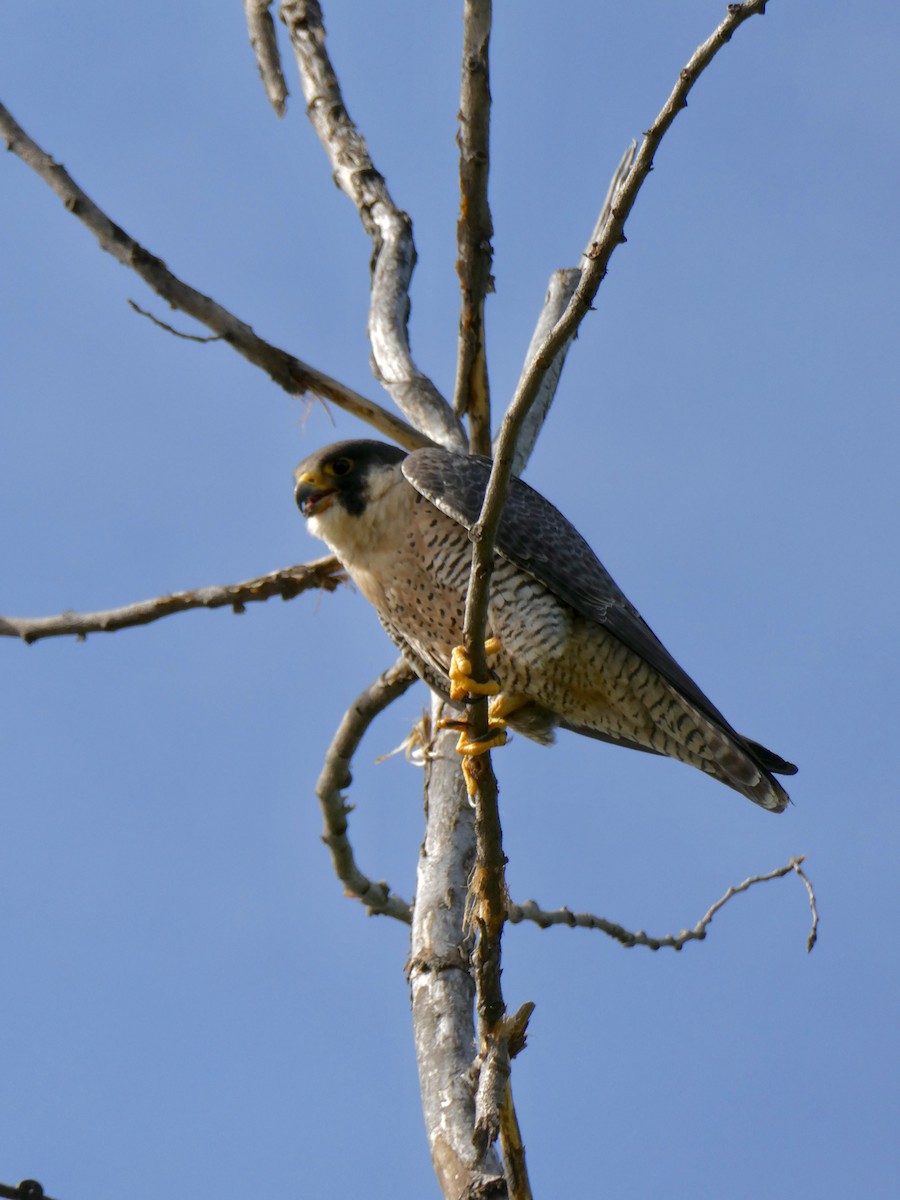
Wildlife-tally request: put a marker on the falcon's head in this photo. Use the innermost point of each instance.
(345, 475)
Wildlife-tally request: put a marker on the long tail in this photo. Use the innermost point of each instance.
(695, 737)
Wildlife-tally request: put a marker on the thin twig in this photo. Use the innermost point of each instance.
(530, 911)
(810, 892)
(324, 573)
(261, 28)
(390, 228)
(474, 229)
(188, 337)
(296, 377)
(335, 776)
(627, 186)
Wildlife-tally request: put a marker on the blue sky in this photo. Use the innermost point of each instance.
(189, 1001)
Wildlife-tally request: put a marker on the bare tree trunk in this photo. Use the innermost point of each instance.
(443, 990)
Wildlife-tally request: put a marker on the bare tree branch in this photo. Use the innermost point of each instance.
(390, 229)
(489, 888)
(441, 984)
(324, 573)
(625, 187)
(437, 979)
(494, 1100)
(297, 378)
(474, 229)
(261, 28)
(560, 291)
(335, 776)
(621, 202)
(487, 902)
(530, 911)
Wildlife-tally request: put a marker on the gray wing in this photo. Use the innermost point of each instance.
(538, 539)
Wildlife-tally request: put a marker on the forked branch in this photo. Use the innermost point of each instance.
(296, 377)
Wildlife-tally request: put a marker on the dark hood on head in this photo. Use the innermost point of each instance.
(339, 473)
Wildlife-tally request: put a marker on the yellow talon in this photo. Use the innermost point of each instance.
(462, 685)
(500, 707)
(495, 737)
(470, 747)
(463, 688)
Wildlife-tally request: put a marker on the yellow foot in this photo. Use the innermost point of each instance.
(462, 689)
(502, 706)
(471, 747)
(494, 738)
(462, 685)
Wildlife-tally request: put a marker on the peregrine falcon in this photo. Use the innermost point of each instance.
(569, 649)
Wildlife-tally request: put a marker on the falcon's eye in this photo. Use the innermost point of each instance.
(342, 466)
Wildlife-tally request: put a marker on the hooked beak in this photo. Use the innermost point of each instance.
(313, 494)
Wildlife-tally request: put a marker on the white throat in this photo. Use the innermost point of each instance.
(355, 539)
